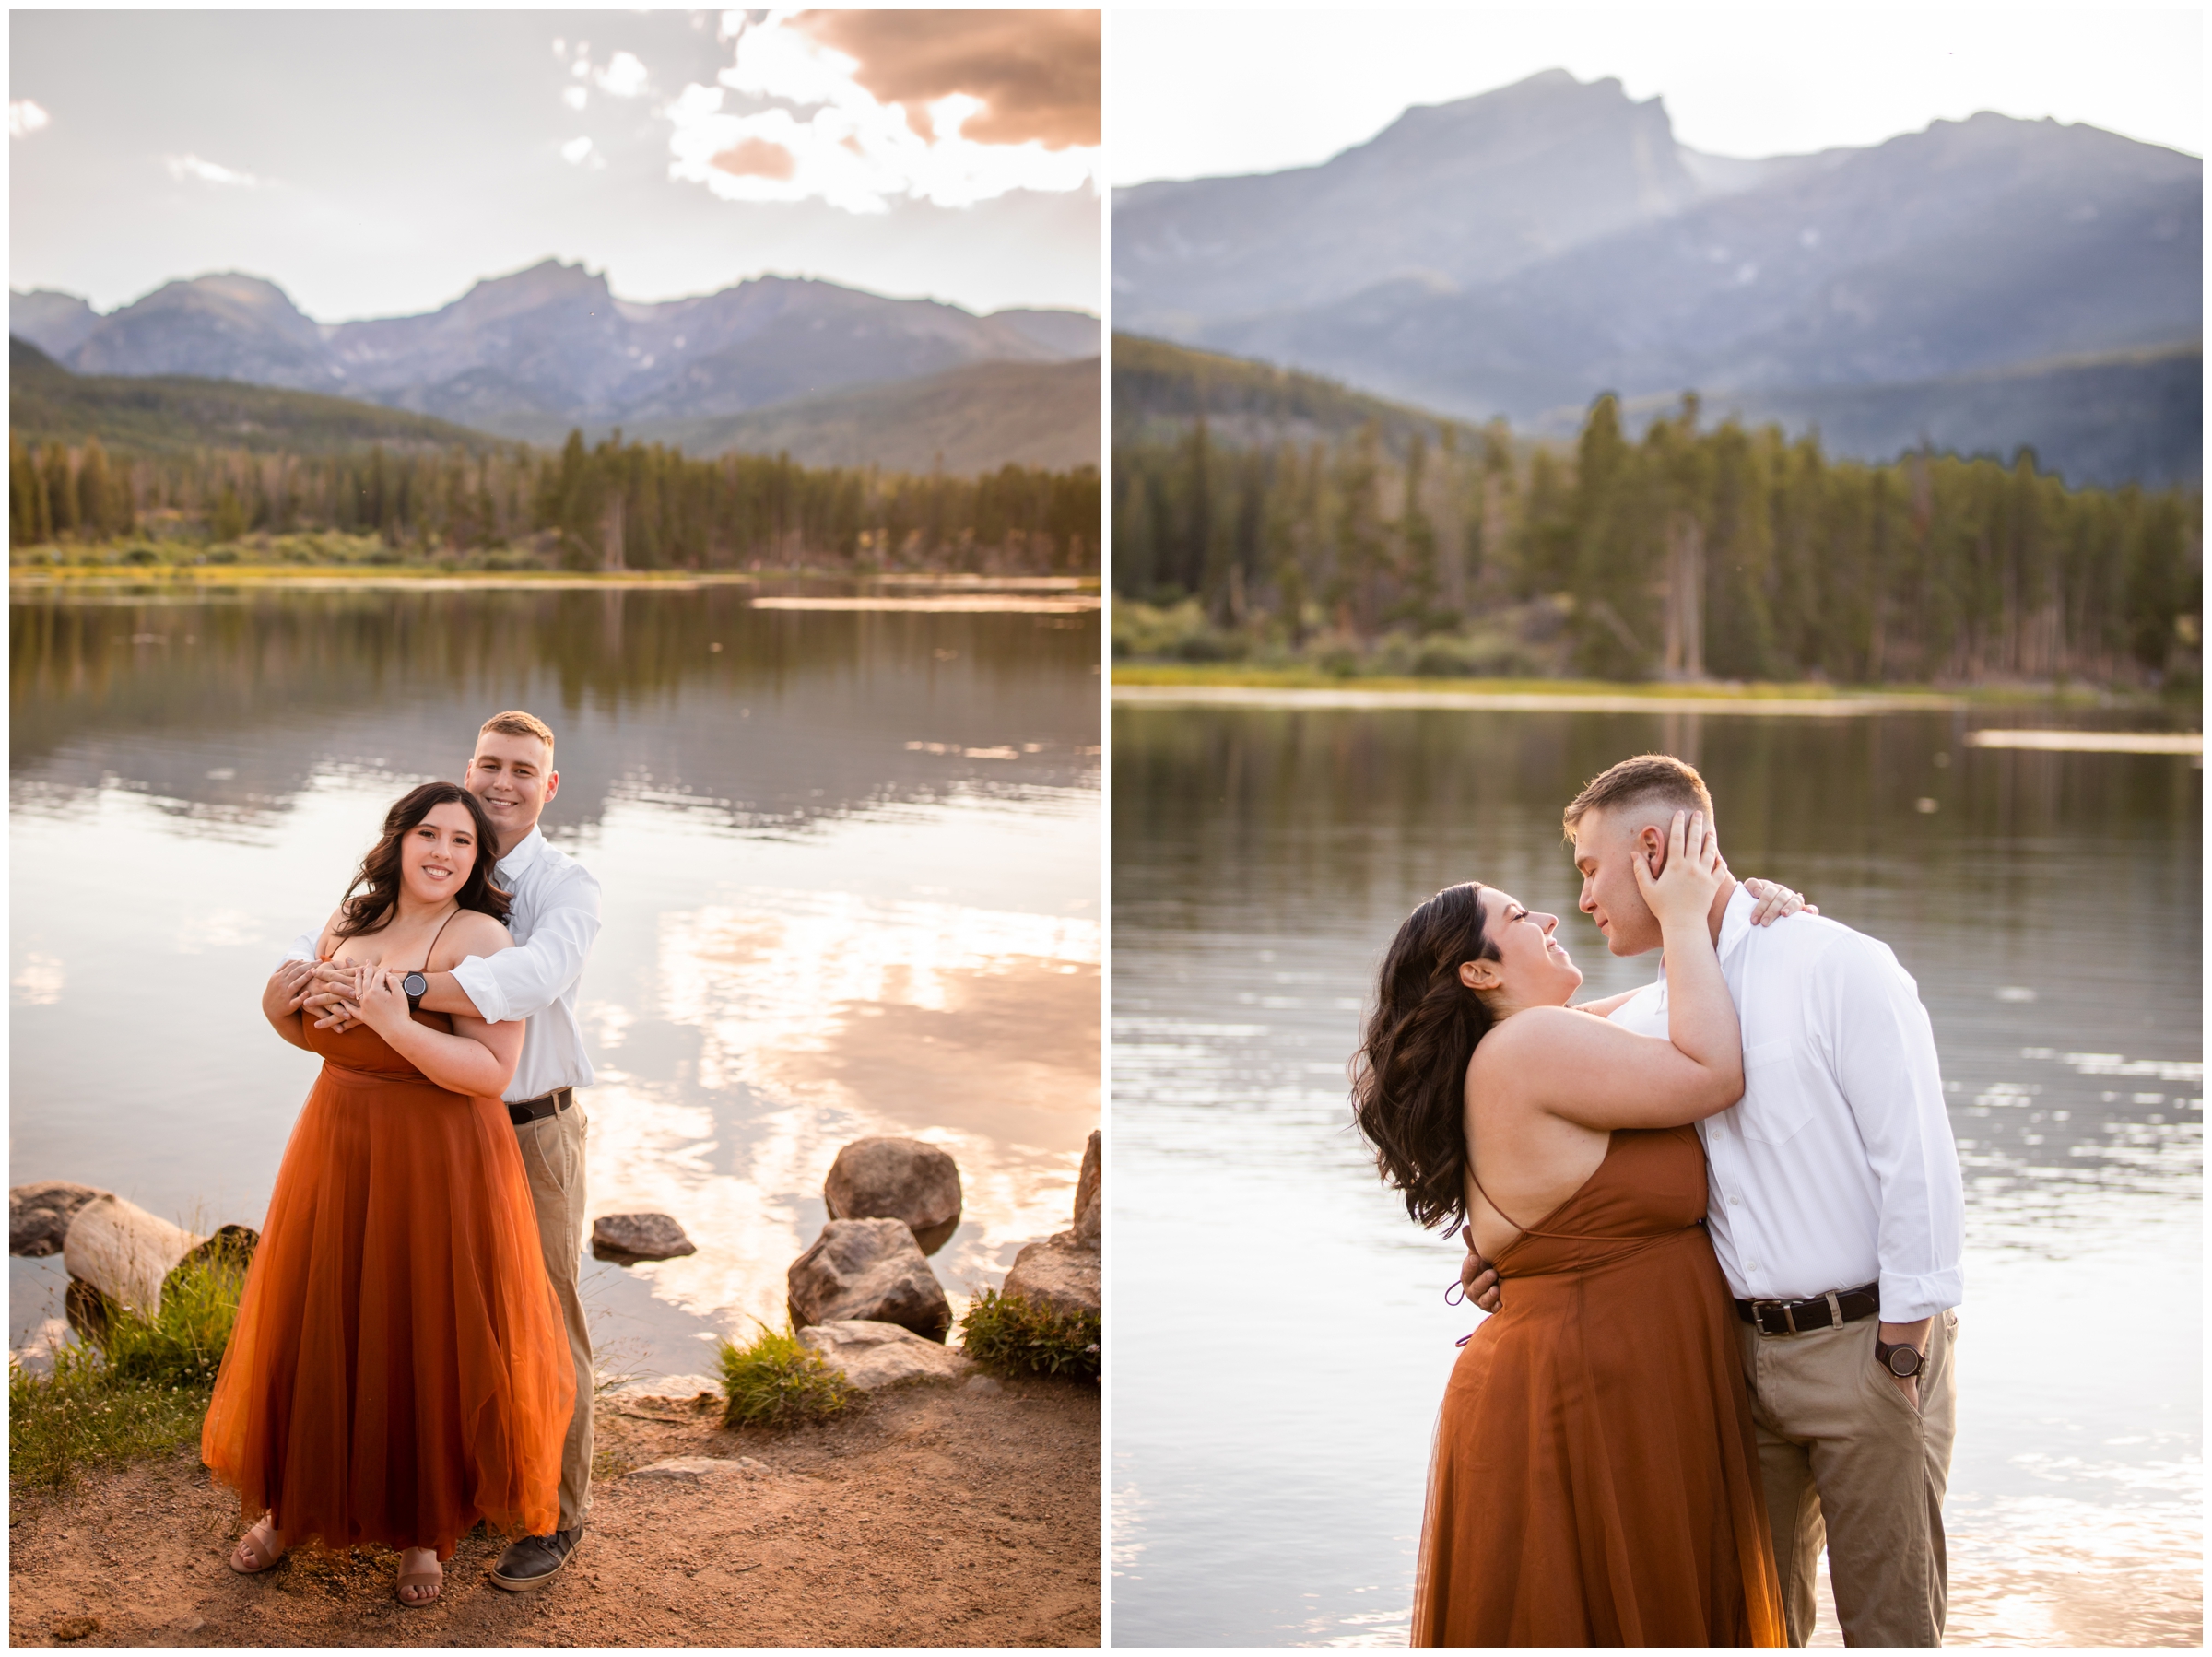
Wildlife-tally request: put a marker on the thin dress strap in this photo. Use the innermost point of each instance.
(1501, 1213)
(440, 932)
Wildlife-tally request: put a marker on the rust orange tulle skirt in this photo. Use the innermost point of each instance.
(398, 1371)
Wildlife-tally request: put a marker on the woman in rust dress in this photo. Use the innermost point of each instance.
(398, 1371)
(1596, 1478)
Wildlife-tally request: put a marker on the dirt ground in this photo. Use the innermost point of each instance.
(935, 1516)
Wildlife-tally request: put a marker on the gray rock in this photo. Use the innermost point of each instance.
(900, 1180)
(870, 1269)
(1059, 1272)
(696, 1469)
(873, 1356)
(124, 1253)
(39, 1215)
(668, 1389)
(623, 1238)
(1091, 1190)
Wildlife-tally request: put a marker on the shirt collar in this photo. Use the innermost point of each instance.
(1735, 921)
(533, 847)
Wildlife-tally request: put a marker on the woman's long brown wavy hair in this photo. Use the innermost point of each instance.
(370, 910)
(1410, 1076)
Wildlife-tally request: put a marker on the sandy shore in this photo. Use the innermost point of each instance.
(935, 1517)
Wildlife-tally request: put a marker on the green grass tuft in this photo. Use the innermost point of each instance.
(777, 1381)
(139, 1386)
(1009, 1333)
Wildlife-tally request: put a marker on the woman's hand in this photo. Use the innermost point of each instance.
(1683, 890)
(281, 996)
(382, 1006)
(1775, 902)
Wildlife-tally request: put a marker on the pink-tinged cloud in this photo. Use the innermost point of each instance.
(757, 159)
(1036, 73)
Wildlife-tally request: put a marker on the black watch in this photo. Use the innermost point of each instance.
(1901, 1360)
(413, 987)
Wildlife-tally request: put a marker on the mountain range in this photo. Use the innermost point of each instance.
(1517, 252)
(535, 353)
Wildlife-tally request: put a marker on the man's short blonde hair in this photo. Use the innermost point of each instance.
(1649, 779)
(516, 722)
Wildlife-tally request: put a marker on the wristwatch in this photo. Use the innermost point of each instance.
(1901, 1360)
(413, 987)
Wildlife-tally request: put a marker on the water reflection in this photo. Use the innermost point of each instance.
(2047, 906)
(829, 841)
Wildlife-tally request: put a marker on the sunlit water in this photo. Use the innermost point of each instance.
(1281, 1339)
(850, 878)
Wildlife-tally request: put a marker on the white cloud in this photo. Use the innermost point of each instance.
(182, 167)
(624, 77)
(574, 97)
(824, 136)
(25, 118)
(576, 151)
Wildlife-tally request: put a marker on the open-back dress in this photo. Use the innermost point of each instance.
(398, 1370)
(1595, 1479)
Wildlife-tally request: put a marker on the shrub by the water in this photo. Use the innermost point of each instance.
(138, 1386)
(776, 1380)
(1010, 1332)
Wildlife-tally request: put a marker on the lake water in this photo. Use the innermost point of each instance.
(850, 877)
(1281, 1338)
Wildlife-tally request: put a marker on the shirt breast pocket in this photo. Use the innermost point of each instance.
(1775, 1104)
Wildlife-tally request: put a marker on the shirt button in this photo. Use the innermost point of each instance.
(1751, 1266)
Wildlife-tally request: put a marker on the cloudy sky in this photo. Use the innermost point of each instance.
(379, 163)
(1197, 93)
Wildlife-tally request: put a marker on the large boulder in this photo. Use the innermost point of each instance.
(871, 1269)
(1059, 1272)
(874, 1355)
(123, 1251)
(900, 1180)
(1091, 1190)
(626, 1238)
(39, 1215)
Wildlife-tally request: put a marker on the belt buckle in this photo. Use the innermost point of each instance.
(1759, 1317)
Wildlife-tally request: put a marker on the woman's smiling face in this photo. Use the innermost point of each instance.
(1533, 967)
(438, 854)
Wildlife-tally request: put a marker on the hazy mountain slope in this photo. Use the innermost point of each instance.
(170, 415)
(1160, 388)
(57, 322)
(974, 419)
(530, 353)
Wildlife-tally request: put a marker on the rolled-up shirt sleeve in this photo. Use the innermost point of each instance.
(516, 983)
(303, 947)
(1883, 1049)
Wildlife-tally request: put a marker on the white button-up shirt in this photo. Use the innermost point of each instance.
(555, 920)
(1837, 1166)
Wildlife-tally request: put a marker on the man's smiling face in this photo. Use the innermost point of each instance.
(1606, 844)
(513, 777)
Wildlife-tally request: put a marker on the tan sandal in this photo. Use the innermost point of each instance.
(432, 1579)
(252, 1556)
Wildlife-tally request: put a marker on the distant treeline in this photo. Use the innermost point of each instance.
(1728, 552)
(618, 505)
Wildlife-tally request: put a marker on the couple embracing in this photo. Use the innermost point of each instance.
(410, 1356)
(1719, 1221)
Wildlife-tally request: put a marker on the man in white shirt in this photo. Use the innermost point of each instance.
(1836, 1210)
(554, 919)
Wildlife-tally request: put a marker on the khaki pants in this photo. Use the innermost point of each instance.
(552, 1150)
(1846, 1459)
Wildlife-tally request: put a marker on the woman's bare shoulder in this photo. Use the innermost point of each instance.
(471, 931)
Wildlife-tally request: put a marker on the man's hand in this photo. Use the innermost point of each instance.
(281, 996)
(330, 1000)
(1478, 1277)
(1914, 1336)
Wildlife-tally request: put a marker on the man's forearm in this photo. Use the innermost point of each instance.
(446, 996)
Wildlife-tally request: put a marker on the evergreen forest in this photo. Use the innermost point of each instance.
(614, 506)
(1690, 552)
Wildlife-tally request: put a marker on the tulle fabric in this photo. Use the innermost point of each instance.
(398, 1370)
(1596, 1476)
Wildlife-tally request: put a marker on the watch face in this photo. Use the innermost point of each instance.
(1903, 1362)
(414, 984)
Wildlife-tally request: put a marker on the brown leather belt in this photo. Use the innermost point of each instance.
(1832, 1310)
(543, 1105)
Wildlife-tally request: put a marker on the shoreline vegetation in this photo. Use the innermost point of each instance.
(1349, 543)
